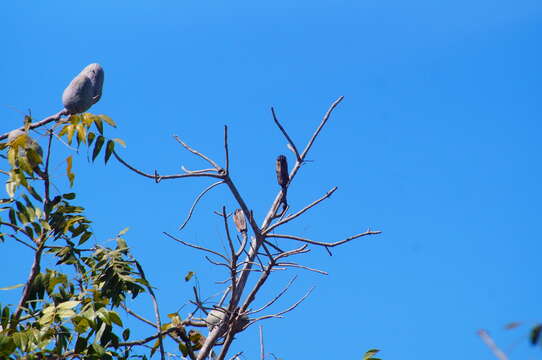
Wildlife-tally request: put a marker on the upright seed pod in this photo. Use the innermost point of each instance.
(84, 90)
(282, 176)
(240, 221)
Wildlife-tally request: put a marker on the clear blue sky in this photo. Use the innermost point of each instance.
(437, 144)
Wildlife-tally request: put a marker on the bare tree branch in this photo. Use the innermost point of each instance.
(159, 178)
(45, 121)
(326, 244)
(300, 212)
(278, 296)
(195, 152)
(197, 247)
(279, 314)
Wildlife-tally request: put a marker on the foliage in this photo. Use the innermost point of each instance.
(72, 310)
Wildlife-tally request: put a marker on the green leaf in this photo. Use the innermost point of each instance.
(119, 141)
(115, 318)
(124, 231)
(369, 354)
(68, 305)
(189, 275)
(98, 147)
(90, 138)
(70, 131)
(81, 133)
(535, 334)
(85, 237)
(69, 173)
(109, 150)
(99, 124)
(69, 196)
(126, 334)
(34, 194)
(183, 349)
(12, 217)
(108, 120)
(80, 345)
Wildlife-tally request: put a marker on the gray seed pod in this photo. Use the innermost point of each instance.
(84, 90)
(215, 317)
(30, 143)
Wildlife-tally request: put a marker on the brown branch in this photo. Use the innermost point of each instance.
(137, 316)
(45, 121)
(320, 243)
(164, 177)
(226, 151)
(34, 271)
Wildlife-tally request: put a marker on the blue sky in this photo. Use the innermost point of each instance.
(437, 144)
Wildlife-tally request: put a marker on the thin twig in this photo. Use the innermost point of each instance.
(262, 352)
(300, 212)
(320, 243)
(226, 151)
(197, 247)
(290, 141)
(279, 314)
(137, 316)
(195, 152)
(278, 296)
(196, 202)
(499, 354)
(294, 265)
(156, 310)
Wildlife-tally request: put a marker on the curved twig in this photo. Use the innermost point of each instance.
(197, 200)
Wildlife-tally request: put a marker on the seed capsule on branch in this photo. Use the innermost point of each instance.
(84, 90)
(27, 147)
(240, 221)
(282, 176)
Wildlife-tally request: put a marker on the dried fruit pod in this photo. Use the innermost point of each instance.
(28, 144)
(282, 171)
(84, 90)
(282, 176)
(214, 318)
(240, 220)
